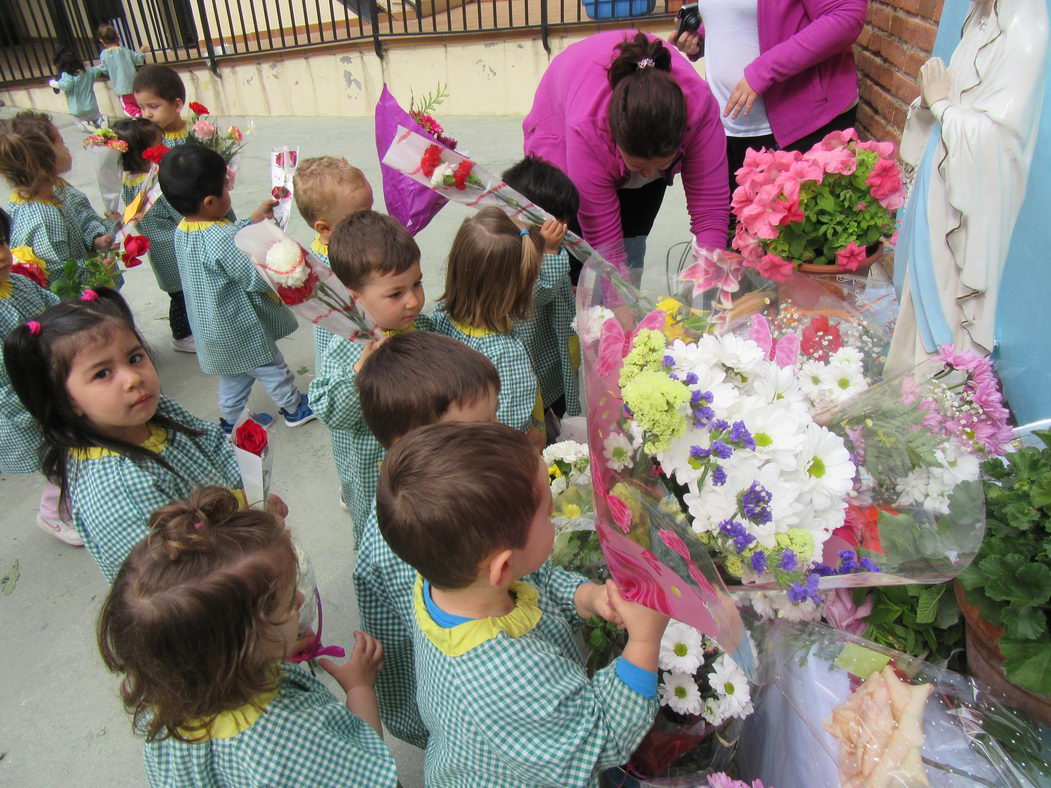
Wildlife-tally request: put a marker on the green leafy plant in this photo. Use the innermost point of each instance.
(74, 280)
(921, 620)
(1010, 579)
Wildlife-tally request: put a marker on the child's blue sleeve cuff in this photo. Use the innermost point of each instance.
(642, 681)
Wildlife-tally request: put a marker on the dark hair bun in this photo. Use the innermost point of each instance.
(189, 526)
(634, 51)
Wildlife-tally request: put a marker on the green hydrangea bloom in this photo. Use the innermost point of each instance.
(656, 401)
(799, 541)
(734, 565)
(647, 355)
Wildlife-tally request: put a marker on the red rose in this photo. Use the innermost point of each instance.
(136, 245)
(297, 295)
(251, 437)
(463, 171)
(155, 154)
(279, 192)
(820, 339)
(198, 108)
(432, 157)
(30, 272)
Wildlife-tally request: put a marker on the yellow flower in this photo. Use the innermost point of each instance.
(25, 254)
(553, 471)
(570, 510)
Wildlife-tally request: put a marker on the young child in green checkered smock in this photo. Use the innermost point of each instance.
(328, 189)
(492, 269)
(235, 316)
(161, 94)
(49, 217)
(501, 684)
(113, 443)
(21, 300)
(200, 622)
(548, 335)
(450, 382)
(379, 262)
(158, 224)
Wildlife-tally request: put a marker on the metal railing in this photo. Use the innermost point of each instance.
(184, 31)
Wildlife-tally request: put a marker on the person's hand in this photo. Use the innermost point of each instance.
(593, 600)
(264, 211)
(103, 242)
(553, 232)
(934, 81)
(688, 43)
(144, 48)
(276, 506)
(742, 98)
(366, 661)
(643, 625)
(370, 348)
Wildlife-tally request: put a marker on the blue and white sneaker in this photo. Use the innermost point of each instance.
(301, 415)
(262, 419)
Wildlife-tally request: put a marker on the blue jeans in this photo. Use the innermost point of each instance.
(276, 378)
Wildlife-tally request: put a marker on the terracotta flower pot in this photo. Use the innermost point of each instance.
(985, 662)
(875, 253)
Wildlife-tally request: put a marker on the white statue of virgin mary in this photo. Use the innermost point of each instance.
(971, 136)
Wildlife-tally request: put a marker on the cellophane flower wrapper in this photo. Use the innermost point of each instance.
(147, 196)
(320, 297)
(839, 710)
(457, 178)
(412, 203)
(256, 469)
(652, 554)
(283, 163)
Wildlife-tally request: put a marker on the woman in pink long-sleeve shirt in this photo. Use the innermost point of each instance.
(621, 114)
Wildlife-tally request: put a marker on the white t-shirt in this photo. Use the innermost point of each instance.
(731, 42)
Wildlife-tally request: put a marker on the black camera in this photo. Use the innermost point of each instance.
(688, 20)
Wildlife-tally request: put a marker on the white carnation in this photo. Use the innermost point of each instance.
(565, 451)
(286, 263)
(442, 171)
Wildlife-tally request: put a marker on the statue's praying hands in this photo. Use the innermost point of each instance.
(934, 81)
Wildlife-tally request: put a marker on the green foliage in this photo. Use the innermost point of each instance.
(98, 271)
(429, 101)
(1010, 579)
(893, 443)
(921, 620)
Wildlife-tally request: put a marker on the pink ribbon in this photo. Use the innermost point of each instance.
(315, 649)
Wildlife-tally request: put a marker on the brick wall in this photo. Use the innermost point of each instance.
(897, 39)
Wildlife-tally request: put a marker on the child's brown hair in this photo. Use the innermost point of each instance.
(367, 243)
(107, 34)
(162, 81)
(492, 268)
(317, 183)
(27, 154)
(139, 134)
(188, 617)
(412, 379)
(451, 494)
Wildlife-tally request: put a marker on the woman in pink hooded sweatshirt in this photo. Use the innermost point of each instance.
(620, 113)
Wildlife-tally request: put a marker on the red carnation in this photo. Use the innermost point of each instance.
(155, 154)
(31, 272)
(297, 295)
(251, 437)
(197, 108)
(432, 157)
(463, 172)
(279, 192)
(820, 339)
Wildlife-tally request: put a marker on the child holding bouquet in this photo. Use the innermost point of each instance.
(493, 266)
(379, 262)
(200, 622)
(113, 443)
(411, 380)
(235, 317)
(159, 91)
(501, 685)
(158, 224)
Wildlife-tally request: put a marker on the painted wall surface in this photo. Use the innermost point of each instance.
(1023, 318)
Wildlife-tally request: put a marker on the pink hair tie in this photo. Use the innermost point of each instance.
(34, 328)
(89, 296)
(198, 525)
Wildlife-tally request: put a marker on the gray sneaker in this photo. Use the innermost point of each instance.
(184, 345)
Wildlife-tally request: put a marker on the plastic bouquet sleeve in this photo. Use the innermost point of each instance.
(145, 199)
(254, 458)
(283, 163)
(839, 710)
(410, 202)
(455, 177)
(306, 285)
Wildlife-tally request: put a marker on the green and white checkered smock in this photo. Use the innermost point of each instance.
(176, 138)
(56, 230)
(321, 335)
(235, 317)
(518, 708)
(334, 399)
(383, 587)
(519, 405)
(158, 225)
(304, 737)
(113, 496)
(20, 300)
(548, 337)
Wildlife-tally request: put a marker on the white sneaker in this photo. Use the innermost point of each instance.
(60, 529)
(185, 345)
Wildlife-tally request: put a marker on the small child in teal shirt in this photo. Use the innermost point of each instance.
(501, 685)
(78, 83)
